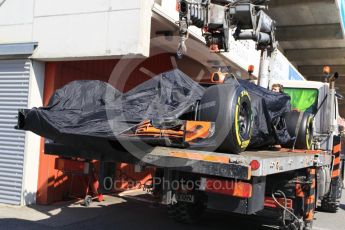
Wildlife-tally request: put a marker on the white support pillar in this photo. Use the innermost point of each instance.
(33, 141)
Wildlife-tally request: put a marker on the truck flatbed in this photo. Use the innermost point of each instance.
(235, 166)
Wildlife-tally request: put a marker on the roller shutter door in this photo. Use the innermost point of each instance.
(14, 89)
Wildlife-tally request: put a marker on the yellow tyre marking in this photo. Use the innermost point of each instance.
(243, 144)
(236, 126)
(307, 134)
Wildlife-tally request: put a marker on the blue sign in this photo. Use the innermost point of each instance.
(342, 12)
(294, 75)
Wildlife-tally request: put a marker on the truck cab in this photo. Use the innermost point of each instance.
(314, 97)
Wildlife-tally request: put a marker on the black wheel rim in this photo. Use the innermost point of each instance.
(244, 120)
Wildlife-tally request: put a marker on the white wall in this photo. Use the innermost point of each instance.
(78, 29)
(32, 141)
(16, 20)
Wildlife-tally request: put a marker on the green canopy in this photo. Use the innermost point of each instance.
(303, 99)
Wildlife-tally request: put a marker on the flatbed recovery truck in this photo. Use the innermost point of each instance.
(283, 184)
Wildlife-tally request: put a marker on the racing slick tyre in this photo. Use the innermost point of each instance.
(305, 131)
(229, 107)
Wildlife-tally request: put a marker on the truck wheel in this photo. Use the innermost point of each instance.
(331, 202)
(187, 213)
(229, 107)
(305, 132)
(293, 226)
(308, 225)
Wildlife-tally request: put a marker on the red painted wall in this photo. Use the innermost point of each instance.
(52, 184)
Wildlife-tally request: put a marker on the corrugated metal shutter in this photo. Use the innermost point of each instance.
(14, 89)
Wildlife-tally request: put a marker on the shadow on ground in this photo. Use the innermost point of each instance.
(121, 213)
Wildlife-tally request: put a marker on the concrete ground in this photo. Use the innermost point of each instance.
(129, 212)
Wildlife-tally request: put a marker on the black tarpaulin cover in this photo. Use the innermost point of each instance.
(95, 108)
(268, 109)
(88, 116)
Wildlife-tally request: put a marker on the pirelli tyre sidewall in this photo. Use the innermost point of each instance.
(309, 129)
(229, 106)
(305, 131)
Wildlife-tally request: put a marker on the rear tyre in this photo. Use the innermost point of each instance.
(329, 205)
(229, 107)
(304, 132)
(308, 225)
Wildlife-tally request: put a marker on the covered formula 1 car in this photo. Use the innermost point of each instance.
(93, 120)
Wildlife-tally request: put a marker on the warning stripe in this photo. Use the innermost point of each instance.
(336, 161)
(309, 208)
(310, 200)
(337, 154)
(309, 215)
(335, 173)
(336, 148)
(336, 167)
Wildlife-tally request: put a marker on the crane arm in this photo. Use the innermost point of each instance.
(216, 18)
